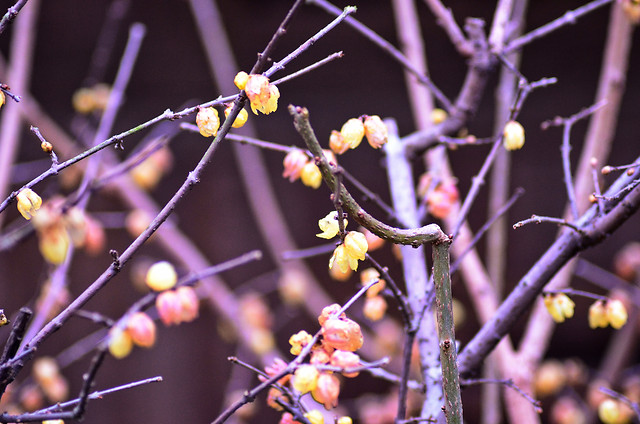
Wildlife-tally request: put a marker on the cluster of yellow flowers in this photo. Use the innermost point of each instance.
(601, 314)
(173, 306)
(340, 338)
(352, 249)
(354, 130)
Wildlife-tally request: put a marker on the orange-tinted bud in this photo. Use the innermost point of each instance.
(376, 131)
(136, 222)
(375, 308)
(337, 143)
(276, 367)
(241, 79)
(292, 286)
(337, 274)
(287, 418)
(330, 312)
(438, 116)
(169, 308)
(373, 241)
(262, 95)
(344, 359)
(549, 378)
(367, 276)
(293, 163)
(261, 341)
(142, 329)
(441, 200)
(342, 334)
(327, 390)
(273, 396)
(45, 370)
(319, 357)
(597, 315)
(255, 311)
(189, 303)
(240, 120)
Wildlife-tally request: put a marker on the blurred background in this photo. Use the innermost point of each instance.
(172, 72)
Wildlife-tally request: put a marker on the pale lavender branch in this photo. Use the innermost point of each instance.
(446, 20)
(537, 219)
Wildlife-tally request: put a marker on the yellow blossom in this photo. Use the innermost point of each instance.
(438, 116)
(262, 94)
(120, 343)
(311, 175)
(240, 120)
(161, 276)
(298, 341)
(376, 131)
(314, 416)
(353, 132)
(356, 245)
(241, 80)
(560, 306)
(337, 143)
(513, 136)
(329, 225)
(609, 411)
(305, 378)
(616, 313)
(208, 121)
(28, 203)
(598, 315)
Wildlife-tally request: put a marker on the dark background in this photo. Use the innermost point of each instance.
(172, 69)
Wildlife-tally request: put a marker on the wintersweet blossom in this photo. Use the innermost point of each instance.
(293, 164)
(262, 94)
(311, 175)
(559, 306)
(350, 251)
(208, 121)
(329, 225)
(353, 132)
(326, 390)
(616, 313)
(376, 131)
(305, 378)
(513, 136)
(28, 203)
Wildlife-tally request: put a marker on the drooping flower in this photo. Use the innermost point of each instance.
(337, 143)
(616, 313)
(142, 329)
(28, 203)
(240, 120)
(559, 306)
(598, 315)
(353, 132)
(355, 244)
(374, 308)
(329, 225)
(376, 131)
(342, 334)
(305, 378)
(293, 164)
(326, 390)
(513, 136)
(120, 343)
(311, 175)
(298, 341)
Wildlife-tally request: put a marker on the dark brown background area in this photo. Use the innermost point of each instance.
(172, 69)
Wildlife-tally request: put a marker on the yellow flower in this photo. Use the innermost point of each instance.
(161, 276)
(560, 306)
(329, 225)
(311, 175)
(54, 243)
(337, 143)
(262, 94)
(305, 378)
(314, 416)
(240, 120)
(356, 245)
(598, 315)
(616, 313)
(609, 411)
(2, 98)
(28, 203)
(438, 116)
(513, 136)
(120, 343)
(293, 163)
(298, 341)
(353, 131)
(208, 121)
(376, 131)
(241, 80)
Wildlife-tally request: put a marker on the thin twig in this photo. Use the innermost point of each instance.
(537, 405)
(537, 219)
(11, 14)
(446, 20)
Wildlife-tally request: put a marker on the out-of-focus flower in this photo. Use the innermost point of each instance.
(329, 225)
(293, 164)
(208, 121)
(344, 359)
(292, 286)
(254, 311)
(326, 390)
(373, 241)
(148, 173)
(374, 308)
(314, 416)
(438, 116)
(169, 308)
(337, 143)
(549, 378)
(262, 94)
(298, 341)
(189, 303)
(376, 131)
(28, 203)
(598, 315)
(305, 378)
(88, 99)
(513, 136)
(442, 198)
(369, 275)
(330, 312)
(337, 274)
(142, 329)
(120, 343)
(161, 276)
(616, 313)
(241, 79)
(559, 305)
(631, 9)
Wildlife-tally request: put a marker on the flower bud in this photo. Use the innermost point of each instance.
(549, 378)
(344, 359)
(240, 120)
(314, 416)
(28, 203)
(344, 420)
(438, 116)
(342, 334)
(189, 303)
(513, 136)
(327, 390)
(311, 175)
(373, 241)
(45, 370)
(305, 378)
(330, 312)
(298, 341)
(261, 340)
(339, 275)
(54, 243)
(355, 244)
(208, 121)
(241, 79)
(292, 286)
(376, 131)
(120, 343)
(609, 411)
(616, 313)
(293, 163)
(597, 315)
(161, 276)
(169, 308)
(46, 147)
(353, 132)
(374, 308)
(319, 356)
(142, 329)
(369, 275)
(254, 311)
(337, 143)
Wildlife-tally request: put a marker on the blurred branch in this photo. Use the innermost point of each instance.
(446, 20)
(11, 14)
